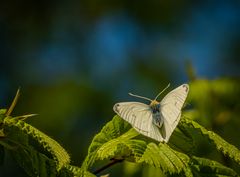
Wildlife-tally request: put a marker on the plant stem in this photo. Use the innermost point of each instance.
(114, 161)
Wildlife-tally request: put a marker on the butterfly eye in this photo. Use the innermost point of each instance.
(155, 111)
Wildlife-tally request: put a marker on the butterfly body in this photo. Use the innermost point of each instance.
(156, 114)
(158, 119)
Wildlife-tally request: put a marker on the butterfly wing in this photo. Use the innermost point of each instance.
(170, 108)
(139, 115)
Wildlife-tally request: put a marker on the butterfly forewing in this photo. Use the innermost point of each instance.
(170, 109)
(139, 115)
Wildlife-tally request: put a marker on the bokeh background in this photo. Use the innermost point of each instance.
(74, 59)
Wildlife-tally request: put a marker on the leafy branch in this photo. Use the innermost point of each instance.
(129, 145)
(117, 142)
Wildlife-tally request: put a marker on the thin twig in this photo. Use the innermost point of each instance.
(114, 161)
(10, 109)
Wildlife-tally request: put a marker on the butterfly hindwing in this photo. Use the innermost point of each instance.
(139, 115)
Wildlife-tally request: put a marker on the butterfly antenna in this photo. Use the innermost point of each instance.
(145, 98)
(162, 91)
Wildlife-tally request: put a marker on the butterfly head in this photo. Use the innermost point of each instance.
(155, 106)
(154, 103)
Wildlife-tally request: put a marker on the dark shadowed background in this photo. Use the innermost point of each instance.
(74, 59)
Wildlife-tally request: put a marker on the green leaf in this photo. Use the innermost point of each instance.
(12, 129)
(33, 162)
(206, 167)
(119, 141)
(162, 156)
(2, 115)
(221, 145)
(38, 164)
(112, 140)
(73, 171)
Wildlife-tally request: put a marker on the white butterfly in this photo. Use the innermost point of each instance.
(157, 120)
